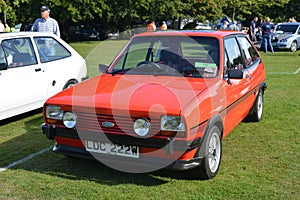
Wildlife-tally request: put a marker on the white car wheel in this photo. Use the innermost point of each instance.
(294, 46)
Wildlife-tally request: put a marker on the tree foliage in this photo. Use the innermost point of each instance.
(123, 14)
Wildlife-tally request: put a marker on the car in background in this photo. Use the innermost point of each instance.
(83, 32)
(287, 36)
(33, 67)
(166, 101)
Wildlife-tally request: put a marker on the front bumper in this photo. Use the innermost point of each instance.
(278, 45)
(143, 162)
(169, 144)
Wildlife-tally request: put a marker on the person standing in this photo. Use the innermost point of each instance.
(151, 27)
(225, 26)
(233, 26)
(267, 29)
(163, 26)
(253, 29)
(46, 23)
(2, 27)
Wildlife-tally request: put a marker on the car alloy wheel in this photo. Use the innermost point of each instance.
(294, 46)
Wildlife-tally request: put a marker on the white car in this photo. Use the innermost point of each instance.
(33, 67)
(287, 36)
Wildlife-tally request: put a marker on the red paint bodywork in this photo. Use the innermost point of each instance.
(197, 100)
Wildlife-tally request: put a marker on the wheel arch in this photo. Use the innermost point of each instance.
(69, 82)
(216, 120)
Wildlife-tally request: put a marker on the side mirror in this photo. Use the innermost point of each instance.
(102, 68)
(235, 74)
(3, 66)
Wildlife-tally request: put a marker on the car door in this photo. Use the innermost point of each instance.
(23, 84)
(239, 97)
(57, 63)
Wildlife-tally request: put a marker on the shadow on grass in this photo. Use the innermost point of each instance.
(61, 166)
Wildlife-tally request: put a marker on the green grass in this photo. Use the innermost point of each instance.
(260, 160)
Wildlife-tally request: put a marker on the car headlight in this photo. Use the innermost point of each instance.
(54, 112)
(141, 127)
(283, 40)
(171, 123)
(70, 119)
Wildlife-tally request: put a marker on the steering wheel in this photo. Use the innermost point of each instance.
(148, 65)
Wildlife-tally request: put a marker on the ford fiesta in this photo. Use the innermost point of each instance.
(166, 101)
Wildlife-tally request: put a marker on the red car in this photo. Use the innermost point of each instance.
(166, 101)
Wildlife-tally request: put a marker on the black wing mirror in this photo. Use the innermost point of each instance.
(235, 74)
(102, 68)
(3, 66)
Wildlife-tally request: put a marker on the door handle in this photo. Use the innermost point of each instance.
(38, 70)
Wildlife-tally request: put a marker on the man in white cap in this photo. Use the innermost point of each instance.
(46, 23)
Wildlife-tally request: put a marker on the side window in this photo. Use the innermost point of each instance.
(50, 49)
(248, 50)
(2, 59)
(235, 60)
(19, 52)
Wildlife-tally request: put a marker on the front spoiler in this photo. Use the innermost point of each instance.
(149, 163)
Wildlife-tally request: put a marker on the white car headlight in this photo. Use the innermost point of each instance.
(54, 112)
(69, 120)
(141, 127)
(171, 123)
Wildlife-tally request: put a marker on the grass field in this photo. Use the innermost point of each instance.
(260, 160)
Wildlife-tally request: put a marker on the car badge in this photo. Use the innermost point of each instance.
(108, 124)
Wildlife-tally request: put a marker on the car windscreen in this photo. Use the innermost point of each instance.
(287, 28)
(169, 55)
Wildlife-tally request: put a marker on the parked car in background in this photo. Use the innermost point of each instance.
(166, 101)
(287, 36)
(83, 32)
(33, 67)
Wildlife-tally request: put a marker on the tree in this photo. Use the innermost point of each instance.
(240, 9)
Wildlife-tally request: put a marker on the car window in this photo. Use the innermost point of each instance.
(249, 51)
(2, 58)
(287, 28)
(197, 55)
(235, 60)
(19, 52)
(50, 49)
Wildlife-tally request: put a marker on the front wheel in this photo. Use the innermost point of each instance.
(69, 84)
(210, 163)
(294, 46)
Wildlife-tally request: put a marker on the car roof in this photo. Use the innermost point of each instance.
(210, 33)
(24, 34)
(290, 23)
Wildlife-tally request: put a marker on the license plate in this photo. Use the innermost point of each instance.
(112, 149)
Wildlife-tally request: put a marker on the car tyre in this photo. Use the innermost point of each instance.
(294, 46)
(70, 83)
(212, 148)
(256, 112)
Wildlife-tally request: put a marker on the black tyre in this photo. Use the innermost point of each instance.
(256, 112)
(212, 147)
(70, 84)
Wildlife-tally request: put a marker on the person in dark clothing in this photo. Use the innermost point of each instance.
(252, 31)
(267, 29)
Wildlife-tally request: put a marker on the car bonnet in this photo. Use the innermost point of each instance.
(109, 94)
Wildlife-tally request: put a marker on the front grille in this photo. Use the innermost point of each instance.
(122, 125)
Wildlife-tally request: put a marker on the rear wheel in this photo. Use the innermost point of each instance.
(212, 148)
(294, 46)
(256, 112)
